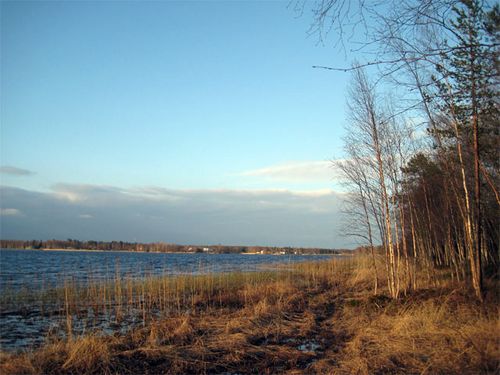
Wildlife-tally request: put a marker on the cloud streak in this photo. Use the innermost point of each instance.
(306, 171)
(14, 171)
(249, 217)
(10, 212)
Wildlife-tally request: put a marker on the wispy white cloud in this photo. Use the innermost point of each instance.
(303, 171)
(82, 192)
(10, 212)
(14, 171)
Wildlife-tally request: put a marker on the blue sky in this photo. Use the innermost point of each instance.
(193, 97)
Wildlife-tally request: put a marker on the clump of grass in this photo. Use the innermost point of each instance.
(87, 354)
(12, 364)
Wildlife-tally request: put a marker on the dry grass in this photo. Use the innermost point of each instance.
(445, 334)
(318, 318)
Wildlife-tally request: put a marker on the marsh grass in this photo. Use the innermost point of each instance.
(307, 318)
(119, 296)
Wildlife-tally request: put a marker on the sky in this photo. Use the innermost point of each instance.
(186, 122)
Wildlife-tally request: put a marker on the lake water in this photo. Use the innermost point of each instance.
(37, 269)
(24, 272)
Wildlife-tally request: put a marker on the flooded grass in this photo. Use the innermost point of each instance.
(115, 305)
(120, 304)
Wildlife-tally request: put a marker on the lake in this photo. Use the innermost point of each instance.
(40, 269)
(25, 275)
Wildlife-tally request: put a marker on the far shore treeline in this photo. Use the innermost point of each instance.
(161, 247)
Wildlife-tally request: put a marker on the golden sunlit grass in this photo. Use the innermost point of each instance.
(432, 334)
(315, 318)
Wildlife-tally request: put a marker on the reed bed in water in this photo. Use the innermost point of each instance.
(315, 318)
(122, 298)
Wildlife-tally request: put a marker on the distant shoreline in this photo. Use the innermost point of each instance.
(156, 252)
(162, 247)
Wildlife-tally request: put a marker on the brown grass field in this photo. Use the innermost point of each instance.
(316, 318)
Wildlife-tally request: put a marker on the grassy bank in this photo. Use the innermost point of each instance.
(316, 318)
